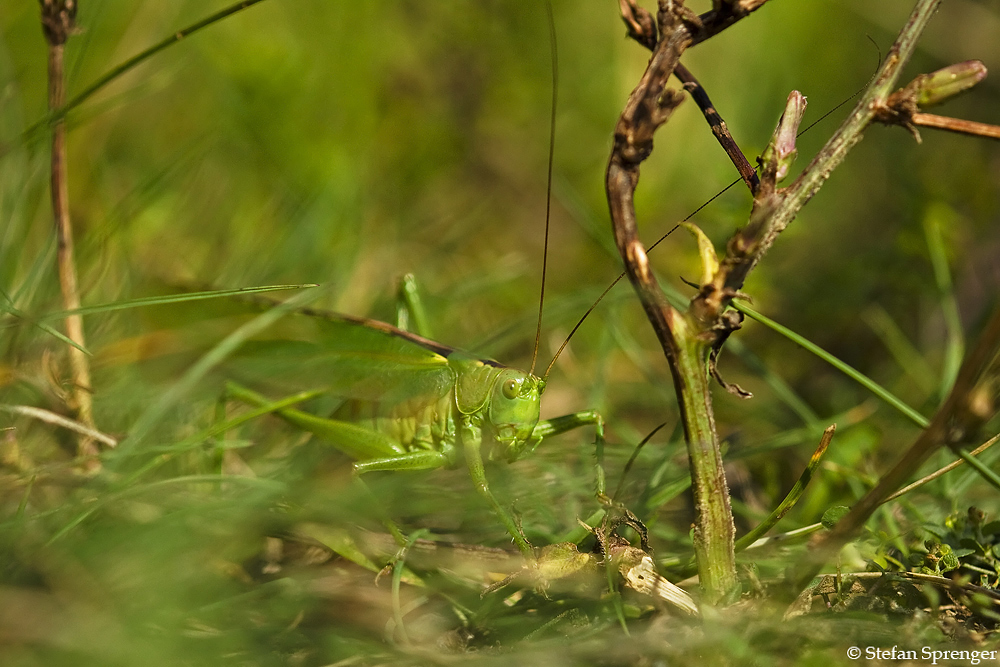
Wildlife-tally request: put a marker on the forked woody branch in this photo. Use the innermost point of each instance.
(691, 338)
(649, 106)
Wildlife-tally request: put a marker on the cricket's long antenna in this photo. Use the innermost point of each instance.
(622, 275)
(548, 187)
(860, 90)
(674, 228)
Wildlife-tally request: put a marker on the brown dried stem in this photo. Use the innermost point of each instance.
(57, 24)
(687, 338)
(958, 125)
(642, 28)
(682, 339)
(719, 128)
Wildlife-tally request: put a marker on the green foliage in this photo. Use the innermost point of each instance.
(965, 540)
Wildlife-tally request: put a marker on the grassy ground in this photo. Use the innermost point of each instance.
(347, 144)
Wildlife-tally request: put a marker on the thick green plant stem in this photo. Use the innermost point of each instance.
(714, 532)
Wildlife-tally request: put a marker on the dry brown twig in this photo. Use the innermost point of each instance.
(58, 23)
(649, 106)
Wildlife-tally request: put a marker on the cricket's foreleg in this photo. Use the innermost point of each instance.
(550, 427)
(568, 422)
(472, 439)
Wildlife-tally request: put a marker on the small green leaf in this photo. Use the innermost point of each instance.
(709, 260)
(833, 515)
(991, 528)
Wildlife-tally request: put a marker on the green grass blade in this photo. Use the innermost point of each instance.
(148, 420)
(909, 358)
(797, 436)
(221, 427)
(978, 466)
(877, 389)
(35, 275)
(10, 309)
(791, 497)
(170, 299)
(936, 216)
(397, 577)
(989, 458)
(265, 484)
(844, 368)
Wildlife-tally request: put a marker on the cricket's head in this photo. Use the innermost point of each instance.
(514, 408)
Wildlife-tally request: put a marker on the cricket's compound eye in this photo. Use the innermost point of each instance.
(513, 411)
(510, 388)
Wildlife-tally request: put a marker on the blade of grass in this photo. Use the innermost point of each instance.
(217, 429)
(978, 466)
(955, 336)
(35, 276)
(848, 370)
(812, 528)
(10, 309)
(631, 461)
(962, 484)
(991, 477)
(397, 577)
(171, 299)
(268, 484)
(148, 420)
(903, 351)
(792, 496)
(796, 436)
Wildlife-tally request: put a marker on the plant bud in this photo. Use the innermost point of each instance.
(782, 147)
(947, 82)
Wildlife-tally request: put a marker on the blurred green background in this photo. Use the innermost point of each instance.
(348, 143)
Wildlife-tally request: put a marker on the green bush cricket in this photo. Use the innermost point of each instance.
(423, 405)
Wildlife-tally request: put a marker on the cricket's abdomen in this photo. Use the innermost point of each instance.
(416, 424)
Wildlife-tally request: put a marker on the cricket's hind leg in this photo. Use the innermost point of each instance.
(372, 450)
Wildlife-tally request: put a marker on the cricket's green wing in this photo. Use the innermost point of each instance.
(354, 358)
